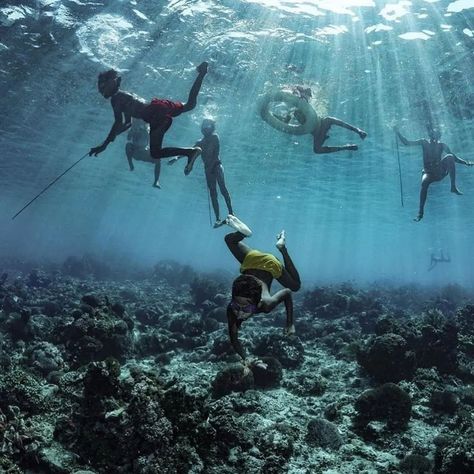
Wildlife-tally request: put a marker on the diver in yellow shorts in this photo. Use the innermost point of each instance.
(251, 290)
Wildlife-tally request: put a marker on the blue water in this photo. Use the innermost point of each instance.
(376, 64)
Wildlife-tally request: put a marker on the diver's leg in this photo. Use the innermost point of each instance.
(449, 167)
(223, 188)
(156, 184)
(129, 152)
(320, 136)
(340, 123)
(333, 149)
(196, 87)
(425, 183)
(238, 249)
(290, 277)
(157, 134)
(212, 186)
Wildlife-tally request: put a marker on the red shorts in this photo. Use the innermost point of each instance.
(161, 111)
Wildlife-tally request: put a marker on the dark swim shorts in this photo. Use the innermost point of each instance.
(161, 111)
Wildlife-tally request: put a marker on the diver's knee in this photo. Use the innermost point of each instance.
(229, 239)
(295, 286)
(189, 106)
(155, 153)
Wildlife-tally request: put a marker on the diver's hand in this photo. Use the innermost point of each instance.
(470, 163)
(173, 161)
(132, 167)
(96, 150)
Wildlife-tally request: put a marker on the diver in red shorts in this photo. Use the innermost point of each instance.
(158, 113)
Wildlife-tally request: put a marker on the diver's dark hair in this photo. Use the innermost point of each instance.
(107, 75)
(208, 121)
(433, 129)
(247, 286)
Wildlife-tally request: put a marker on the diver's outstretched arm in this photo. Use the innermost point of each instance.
(284, 296)
(129, 153)
(234, 334)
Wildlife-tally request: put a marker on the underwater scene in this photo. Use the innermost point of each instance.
(236, 236)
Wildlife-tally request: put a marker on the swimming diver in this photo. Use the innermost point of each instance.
(251, 290)
(213, 168)
(435, 168)
(137, 148)
(320, 132)
(158, 113)
(435, 260)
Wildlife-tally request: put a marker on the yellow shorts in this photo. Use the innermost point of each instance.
(256, 260)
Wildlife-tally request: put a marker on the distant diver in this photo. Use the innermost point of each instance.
(441, 259)
(299, 118)
(158, 113)
(435, 168)
(137, 148)
(210, 145)
(251, 290)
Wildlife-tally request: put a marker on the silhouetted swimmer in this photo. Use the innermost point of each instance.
(441, 259)
(251, 290)
(137, 148)
(158, 113)
(213, 168)
(435, 168)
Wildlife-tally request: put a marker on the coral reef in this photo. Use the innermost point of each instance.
(138, 376)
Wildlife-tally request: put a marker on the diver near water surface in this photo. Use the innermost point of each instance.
(320, 133)
(435, 168)
(158, 113)
(137, 148)
(213, 168)
(251, 290)
(441, 259)
(320, 127)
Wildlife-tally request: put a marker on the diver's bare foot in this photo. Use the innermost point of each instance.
(290, 330)
(191, 159)
(418, 217)
(202, 68)
(455, 190)
(238, 225)
(219, 223)
(281, 240)
(157, 185)
(352, 147)
(362, 134)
